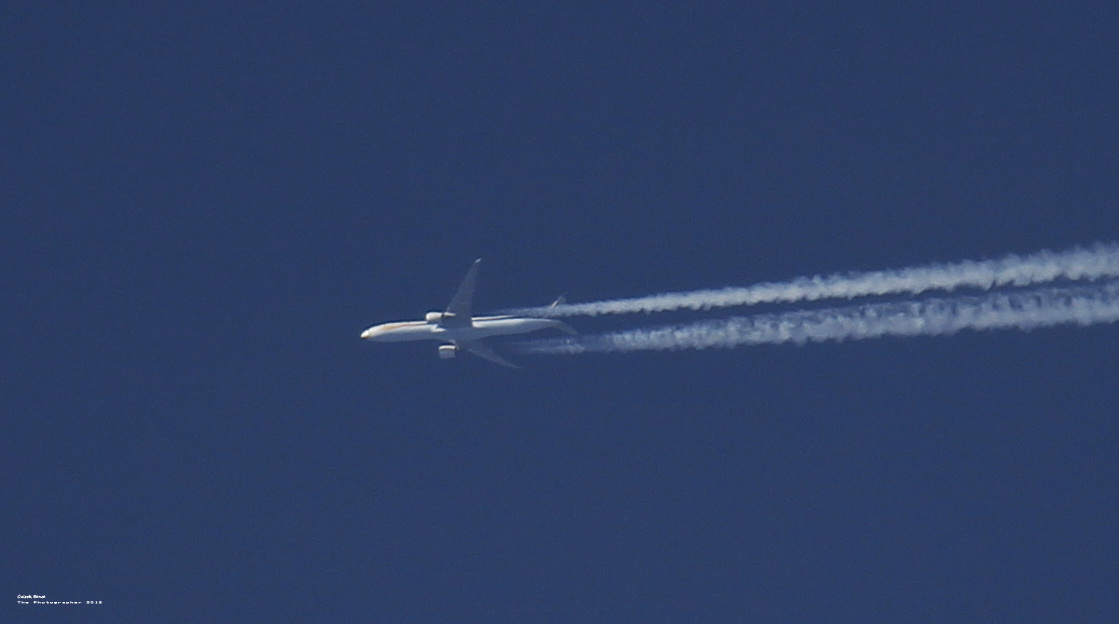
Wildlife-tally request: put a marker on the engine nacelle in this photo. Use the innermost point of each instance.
(438, 317)
(447, 351)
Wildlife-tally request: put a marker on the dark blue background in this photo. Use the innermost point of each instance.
(204, 205)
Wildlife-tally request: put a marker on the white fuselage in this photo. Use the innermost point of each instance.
(481, 327)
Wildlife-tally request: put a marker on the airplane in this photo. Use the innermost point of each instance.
(459, 330)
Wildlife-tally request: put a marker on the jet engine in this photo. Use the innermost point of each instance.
(438, 317)
(447, 351)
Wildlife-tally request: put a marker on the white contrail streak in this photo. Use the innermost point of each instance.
(1044, 307)
(1098, 262)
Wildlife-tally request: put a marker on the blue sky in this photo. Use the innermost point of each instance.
(205, 204)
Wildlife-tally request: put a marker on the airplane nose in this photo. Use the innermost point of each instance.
(367, 334)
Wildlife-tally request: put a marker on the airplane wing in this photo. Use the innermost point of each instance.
(477, 348)
(459, 311)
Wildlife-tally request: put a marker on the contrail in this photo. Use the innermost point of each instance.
(1025, 310)
(1097, 262)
